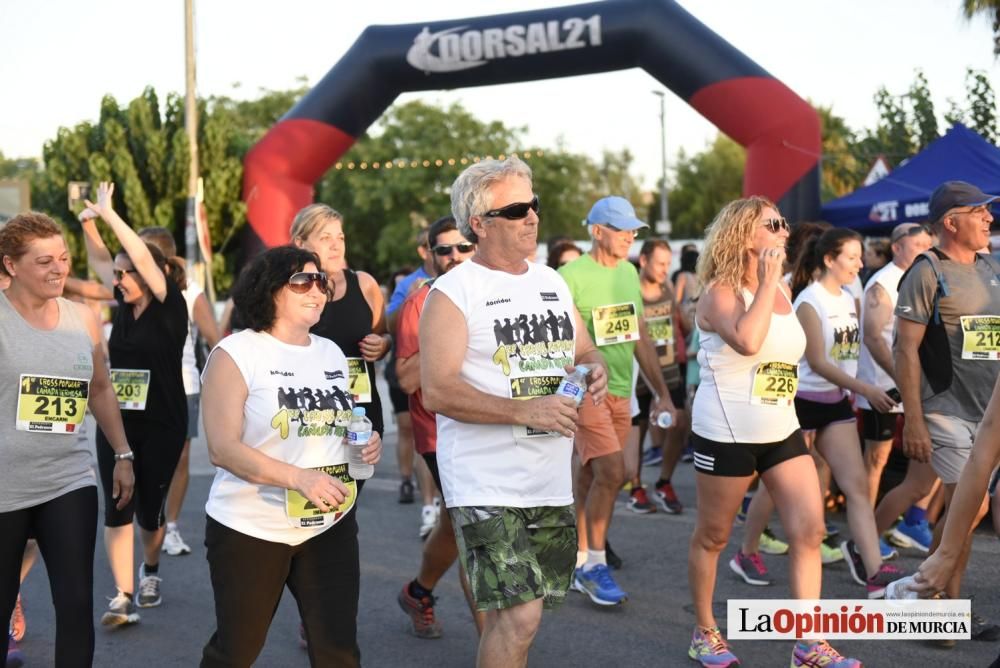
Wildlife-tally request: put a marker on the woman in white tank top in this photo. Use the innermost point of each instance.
(743, 417)
(829, 317)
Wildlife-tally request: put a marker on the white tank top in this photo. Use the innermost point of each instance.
(748, 398)
(868, 370)
(838, 316)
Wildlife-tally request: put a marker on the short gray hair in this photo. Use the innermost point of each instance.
(311, 218)
(470, 191)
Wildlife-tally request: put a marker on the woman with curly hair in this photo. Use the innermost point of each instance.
(744, 418)
(281, 508)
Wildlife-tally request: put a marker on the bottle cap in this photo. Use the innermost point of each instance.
(583, 368)
(358, 410)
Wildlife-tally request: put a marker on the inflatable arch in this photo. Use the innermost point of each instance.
(780, 131)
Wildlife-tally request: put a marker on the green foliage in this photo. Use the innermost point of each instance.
(704, 183)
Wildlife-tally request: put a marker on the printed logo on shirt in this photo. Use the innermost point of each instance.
(318, 411)
(500, 300)
(543, 341)
(282, 373)
(334, 375)
(846, 343)
(548, 296)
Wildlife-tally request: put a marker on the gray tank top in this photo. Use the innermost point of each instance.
(36, 467)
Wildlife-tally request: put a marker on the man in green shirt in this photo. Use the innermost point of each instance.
(606, 292)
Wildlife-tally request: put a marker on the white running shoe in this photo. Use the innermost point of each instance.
(121, 611)
(149, 589)
(428, 519)
(173, 544)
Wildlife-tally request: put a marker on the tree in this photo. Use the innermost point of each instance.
(990, 9)
(980, 113)
(704, 183)
(18, 168)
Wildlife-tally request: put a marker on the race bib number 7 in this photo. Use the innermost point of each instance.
(303, 513)
(359, 382)
(615, 323)
(529, 387)
(980, 337)
(51, 404)
(131, 388)
(774, 384)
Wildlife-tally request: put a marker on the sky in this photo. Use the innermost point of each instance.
(58, 58)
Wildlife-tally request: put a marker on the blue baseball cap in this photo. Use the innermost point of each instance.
(951, 194)
(615, 212)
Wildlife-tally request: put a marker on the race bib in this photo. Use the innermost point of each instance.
(529, 387)
(131, 388)
(615, 323)
(359, 382)
(51, 404)
(661, 330)
(980, 337)
(774, 384)
(301, 512)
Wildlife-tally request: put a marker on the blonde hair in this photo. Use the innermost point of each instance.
(310, 219)
(725, 256)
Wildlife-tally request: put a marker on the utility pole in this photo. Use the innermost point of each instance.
(191, 126)
(664, 223)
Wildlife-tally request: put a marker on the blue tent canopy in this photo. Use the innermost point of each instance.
(902, 196)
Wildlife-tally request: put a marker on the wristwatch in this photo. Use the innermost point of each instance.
(130, 456)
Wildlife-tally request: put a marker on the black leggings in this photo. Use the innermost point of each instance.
(66, 531)
(249, 575)
(157, 450)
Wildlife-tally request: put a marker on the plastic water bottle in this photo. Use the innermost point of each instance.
(900, 589)
(359, 432)
(664, 420)
(574, 385)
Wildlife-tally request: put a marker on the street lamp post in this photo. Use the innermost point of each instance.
(664, 216)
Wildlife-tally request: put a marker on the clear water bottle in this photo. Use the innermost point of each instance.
(359, 432)
(574, 385)
(900, 589)
(664, 420)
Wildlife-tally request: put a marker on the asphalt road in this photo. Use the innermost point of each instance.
(652, 628)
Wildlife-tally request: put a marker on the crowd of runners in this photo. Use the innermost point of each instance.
(778, 359)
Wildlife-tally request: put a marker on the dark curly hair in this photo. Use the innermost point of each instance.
(253, 294)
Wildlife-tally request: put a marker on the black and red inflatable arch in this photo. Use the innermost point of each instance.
(780, 130)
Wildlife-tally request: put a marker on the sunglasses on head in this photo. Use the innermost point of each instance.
(120, 273)
(775, 225)
(913, 231)
(301, 282)
(515, 211)
(444, 250)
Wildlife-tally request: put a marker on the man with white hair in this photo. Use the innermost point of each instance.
(503, 445)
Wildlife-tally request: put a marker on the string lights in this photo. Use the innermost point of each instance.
(427, 163)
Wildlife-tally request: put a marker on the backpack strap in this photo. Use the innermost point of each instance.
(933, 256)
(992, 261)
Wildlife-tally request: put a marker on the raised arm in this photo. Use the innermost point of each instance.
(98, 256)
(130, 241)
(87, 289)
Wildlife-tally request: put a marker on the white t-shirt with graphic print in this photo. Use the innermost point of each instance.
(841, 335)
(297, 408)
(521, 332)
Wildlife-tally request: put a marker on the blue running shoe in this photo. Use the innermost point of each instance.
(886, 551)
(917, 536)
(820, 655)
(709, 648)
(652, 457)
(598, 584)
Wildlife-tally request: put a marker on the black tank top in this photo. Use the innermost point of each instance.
(345, 322)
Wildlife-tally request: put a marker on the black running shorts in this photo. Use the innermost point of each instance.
(739, 460)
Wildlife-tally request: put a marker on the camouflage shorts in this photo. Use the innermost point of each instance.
(516, 555)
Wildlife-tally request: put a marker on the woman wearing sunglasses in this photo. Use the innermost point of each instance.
(354, 315)
(52, 368)
(281, 507)
(744, 418)
(145, 350)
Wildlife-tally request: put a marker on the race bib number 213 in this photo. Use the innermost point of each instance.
(51, 404)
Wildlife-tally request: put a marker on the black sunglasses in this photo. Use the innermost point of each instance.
(775, 225)
(120, 273)
(515, 211)
(444, 250)
(301, 282)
